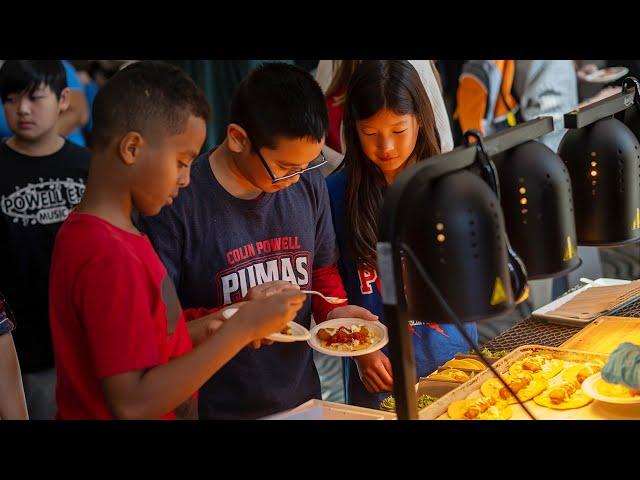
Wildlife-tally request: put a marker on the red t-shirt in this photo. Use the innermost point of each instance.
(336, 112)
(113, 309)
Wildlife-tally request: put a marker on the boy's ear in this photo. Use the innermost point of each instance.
(63, 103)
(130, 147)
(237, 138)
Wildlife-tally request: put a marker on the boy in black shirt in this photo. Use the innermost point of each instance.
(42, 179)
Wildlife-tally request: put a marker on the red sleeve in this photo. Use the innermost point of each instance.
(327, 281)
(193, 313)
(116, 297)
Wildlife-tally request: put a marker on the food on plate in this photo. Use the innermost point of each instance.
(483, 408)
(563, 396)
(389, 403)
(287, 330)
(348, 338)
(524, 384)
(605, 72)
(466, 364)
(616, 390)
(581, 371)
(450, 375)
(542, 364)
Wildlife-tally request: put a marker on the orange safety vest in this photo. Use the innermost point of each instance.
(484, 97)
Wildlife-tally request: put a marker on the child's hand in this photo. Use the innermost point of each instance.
(586, 70)
(256, 344)
(270, 314)
(267, 289)
(375, 372)
(352, 311)
(202, 328)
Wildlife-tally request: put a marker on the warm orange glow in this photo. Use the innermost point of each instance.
(523, 190)
(523, 201)
(440, 237)
(593, 173)
(593, 164)
(439, 226)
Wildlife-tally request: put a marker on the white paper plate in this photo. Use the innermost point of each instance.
(589, 387)
(381, 331)
(300, 334)
(606, 75)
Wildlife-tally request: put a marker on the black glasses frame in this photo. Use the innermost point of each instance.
(275, 179)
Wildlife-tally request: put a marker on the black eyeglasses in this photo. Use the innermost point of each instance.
(318, 162)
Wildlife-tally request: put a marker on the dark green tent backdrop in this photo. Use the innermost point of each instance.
(218, 79)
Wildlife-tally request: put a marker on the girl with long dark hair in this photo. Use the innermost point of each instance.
(388, 125)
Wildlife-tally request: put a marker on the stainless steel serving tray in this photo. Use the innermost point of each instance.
(595, 410)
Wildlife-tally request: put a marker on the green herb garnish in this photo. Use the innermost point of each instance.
(489, 354)
(389, 403)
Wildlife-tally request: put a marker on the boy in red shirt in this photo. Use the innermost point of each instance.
(122, 343)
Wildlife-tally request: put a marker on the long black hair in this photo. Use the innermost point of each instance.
(376, 85)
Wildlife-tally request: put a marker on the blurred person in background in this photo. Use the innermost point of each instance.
(73, 119)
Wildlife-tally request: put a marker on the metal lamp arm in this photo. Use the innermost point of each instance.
(633, 82)
(489, 173)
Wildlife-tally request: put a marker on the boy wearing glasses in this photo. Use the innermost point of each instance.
(257, 211)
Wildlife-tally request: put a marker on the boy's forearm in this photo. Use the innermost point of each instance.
(162, 389)
(198, 321)
(67, 123)
(191, 314)
(76, 116)
(327, 281)
(12, 401)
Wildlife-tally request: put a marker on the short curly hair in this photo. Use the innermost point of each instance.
(148, 97)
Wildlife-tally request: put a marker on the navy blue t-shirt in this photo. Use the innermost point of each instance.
(433, 344)
(216, 246)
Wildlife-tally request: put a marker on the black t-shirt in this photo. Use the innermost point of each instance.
(36, 195)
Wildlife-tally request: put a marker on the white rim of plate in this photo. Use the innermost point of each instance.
(340, 322)
(300, 333)
(589, 387)
(595, 77)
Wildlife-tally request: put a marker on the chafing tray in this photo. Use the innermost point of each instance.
(596, 410)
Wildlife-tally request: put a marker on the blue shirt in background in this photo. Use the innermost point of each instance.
(433, 344)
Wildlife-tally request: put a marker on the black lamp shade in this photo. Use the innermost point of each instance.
(632, 119)
(603, 160)
(460, 241)
(536, 199)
